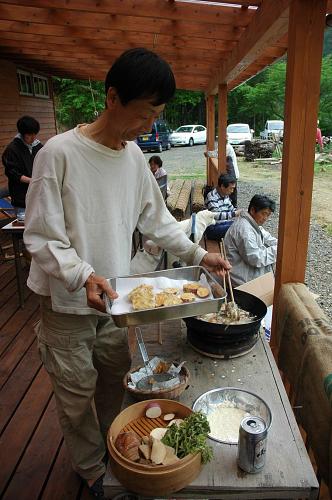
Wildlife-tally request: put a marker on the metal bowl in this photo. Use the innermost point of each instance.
(245, 400)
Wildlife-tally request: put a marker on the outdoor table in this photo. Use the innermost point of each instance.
(16, 230)
(288, 472)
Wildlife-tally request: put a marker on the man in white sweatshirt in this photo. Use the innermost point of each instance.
(90, 188)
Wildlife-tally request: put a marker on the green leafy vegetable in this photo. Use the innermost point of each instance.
(190, 437)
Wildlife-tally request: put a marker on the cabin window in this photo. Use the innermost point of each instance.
(32, 84)
(40, 86)
(24, 82)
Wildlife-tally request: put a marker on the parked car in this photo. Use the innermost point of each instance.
(238, 134)
(156, 140)
(188, 135)
(274, 129)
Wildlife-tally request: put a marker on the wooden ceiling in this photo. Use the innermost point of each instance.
(206, 42)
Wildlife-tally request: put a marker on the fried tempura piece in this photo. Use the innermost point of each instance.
(141, 290)
(191, 287)
(203, 292)
(173, 291)
(160, 299)
(172, 300)
(187, 297)
(145, 301)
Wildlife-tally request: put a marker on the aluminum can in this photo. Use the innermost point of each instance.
(252, 444)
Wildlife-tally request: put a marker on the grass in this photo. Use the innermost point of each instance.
(328, 229)
(322, 167)
(187, 176)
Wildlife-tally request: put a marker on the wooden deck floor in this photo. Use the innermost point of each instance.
(35, 464)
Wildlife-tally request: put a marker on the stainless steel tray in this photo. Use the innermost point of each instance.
(192, 273)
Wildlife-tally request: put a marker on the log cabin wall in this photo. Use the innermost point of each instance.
(13, 106)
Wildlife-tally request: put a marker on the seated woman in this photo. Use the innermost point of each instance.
(251, 249)
(156, 166)
(218, 201)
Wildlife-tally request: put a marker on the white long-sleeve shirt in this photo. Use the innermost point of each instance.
(250, 249)
(230, 152)
(83, 204)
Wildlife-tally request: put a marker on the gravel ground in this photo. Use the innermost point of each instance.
(319, 262)
(190, 161)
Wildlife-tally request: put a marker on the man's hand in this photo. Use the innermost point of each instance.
(215, 263)
(95, 287)
(238, 212)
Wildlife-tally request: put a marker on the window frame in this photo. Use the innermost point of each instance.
(41, 84)
(23, 73)
(43, 79)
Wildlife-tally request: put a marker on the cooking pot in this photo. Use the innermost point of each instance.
(228, 340)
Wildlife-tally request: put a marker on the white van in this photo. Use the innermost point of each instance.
(274, 129)
(238, 134)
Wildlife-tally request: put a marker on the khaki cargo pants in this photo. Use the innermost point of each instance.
(86, 358)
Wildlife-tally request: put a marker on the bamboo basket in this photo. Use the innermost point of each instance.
(158, 480)
(171, 393)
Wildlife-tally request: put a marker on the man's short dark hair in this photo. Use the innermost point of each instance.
(140, 74)
(226, 179)
(27, 125)
(157, 160)
(260, 202)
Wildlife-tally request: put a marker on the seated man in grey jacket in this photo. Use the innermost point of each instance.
(251, 249)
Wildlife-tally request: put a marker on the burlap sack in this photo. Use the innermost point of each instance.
(314, 399)
(301, 323)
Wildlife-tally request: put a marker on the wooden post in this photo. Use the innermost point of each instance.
(305, 44)
(210, 136)
(222, 124)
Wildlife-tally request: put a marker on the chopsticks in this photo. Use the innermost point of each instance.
(221, 249)
(223, 254)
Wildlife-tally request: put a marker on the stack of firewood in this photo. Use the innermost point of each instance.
(258, 149)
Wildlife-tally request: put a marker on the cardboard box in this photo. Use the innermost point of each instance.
(262, 287)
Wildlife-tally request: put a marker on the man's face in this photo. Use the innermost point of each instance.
(29, 138)
(260, 216)
(133, 119)
(227, 190)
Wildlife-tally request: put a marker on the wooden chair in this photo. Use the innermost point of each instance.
(6, 208)
(162, 183)
(7, 215)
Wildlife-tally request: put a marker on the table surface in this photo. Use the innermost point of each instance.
(10, 228)
(288, 472)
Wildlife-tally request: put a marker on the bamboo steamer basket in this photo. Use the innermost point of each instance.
(146, 479)
(172, 393)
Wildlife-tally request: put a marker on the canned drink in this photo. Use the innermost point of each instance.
(252, 444)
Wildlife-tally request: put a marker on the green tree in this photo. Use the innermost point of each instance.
(76, 101)
(259, 99)
(186, 107)
(325, 105)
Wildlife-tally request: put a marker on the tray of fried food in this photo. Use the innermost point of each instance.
(163, 295)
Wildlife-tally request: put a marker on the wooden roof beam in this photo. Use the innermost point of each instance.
(153, 25)
(269, 25)
(159, 10)
(245, 3)
(57, 34)
(172, 55)
(33, 49)
(52, 59)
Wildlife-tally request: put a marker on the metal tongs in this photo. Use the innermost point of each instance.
(147, 382)
(231, 308)
(143, 351)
